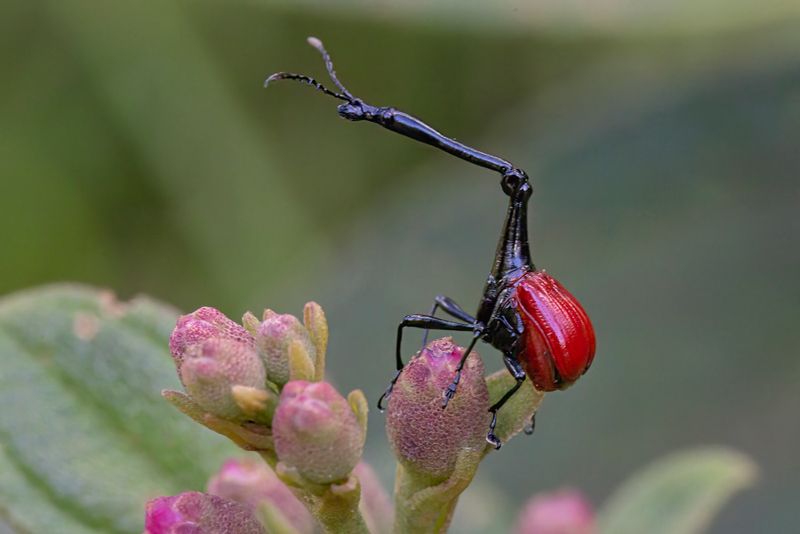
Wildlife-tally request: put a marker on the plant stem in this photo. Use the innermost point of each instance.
(426, 505)
(335, 507)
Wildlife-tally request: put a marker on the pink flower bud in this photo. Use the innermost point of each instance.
(425, 437)
(316, 432)
(212, 368)
(200, 325)
(561, 512)
(199, 513)
(251, 482)
(274, 338)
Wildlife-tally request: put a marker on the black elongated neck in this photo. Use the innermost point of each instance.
(513, 251)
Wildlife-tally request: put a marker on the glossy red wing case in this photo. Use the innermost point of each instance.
(559, 338)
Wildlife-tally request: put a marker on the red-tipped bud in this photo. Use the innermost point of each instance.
(316, 432)
(200, 325)
(274, 339)
(252, 483)
(212, 369)
(425, 437)
(561, 512)
(199, 513)
(559, 338)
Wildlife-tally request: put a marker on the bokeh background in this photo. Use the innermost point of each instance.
(139, 152)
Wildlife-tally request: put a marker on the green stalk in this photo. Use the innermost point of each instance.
(424, 504)
(334, 506)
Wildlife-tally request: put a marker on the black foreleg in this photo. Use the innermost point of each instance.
(418, 321)
(450, 392)
(450, 307)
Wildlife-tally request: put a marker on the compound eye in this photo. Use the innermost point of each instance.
(351, 111)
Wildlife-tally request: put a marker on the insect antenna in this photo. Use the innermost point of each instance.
(304, 79)
(316, 43)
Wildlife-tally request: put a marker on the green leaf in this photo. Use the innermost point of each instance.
(679, 494)
(85, 437)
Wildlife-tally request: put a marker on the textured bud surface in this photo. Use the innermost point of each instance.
(199, 513)
(316, 432)
(561, 512)
(251, 482)
(274, 340)
(200, 325)
(211, 369)
(425, 437)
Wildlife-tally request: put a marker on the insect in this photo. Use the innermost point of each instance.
(541, 330)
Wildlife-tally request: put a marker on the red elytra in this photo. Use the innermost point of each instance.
(559, 338)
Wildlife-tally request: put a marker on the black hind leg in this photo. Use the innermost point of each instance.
(518, 373)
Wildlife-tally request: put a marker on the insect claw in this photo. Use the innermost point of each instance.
(448, 394)
(385, 396)
(531, 426)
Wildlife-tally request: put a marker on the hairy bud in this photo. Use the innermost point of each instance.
(316, 432)
(198, 513)
(211, 370)
(200, 325)
(425, 437)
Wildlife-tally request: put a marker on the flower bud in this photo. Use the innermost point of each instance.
(199, 513)
(274, 339)
(561, 512)
(426, 438)
(316, 432)
(212, 369)
(200, 325)
(252, 483)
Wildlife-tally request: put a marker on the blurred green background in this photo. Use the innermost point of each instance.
(139, 151)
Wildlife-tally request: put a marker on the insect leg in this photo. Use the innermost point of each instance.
(450, 392)
(450, 307)
(418, 321)
(531, 426)
(518, 373)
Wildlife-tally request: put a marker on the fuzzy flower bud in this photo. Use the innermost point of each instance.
(200, 325)
(199, 513)
(252, 483)
(425, 437)
(212, 369)
(316, 432)
(277, 336)
(561, 512)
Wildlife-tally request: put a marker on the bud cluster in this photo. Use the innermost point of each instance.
(261, 385)
(233, 376)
